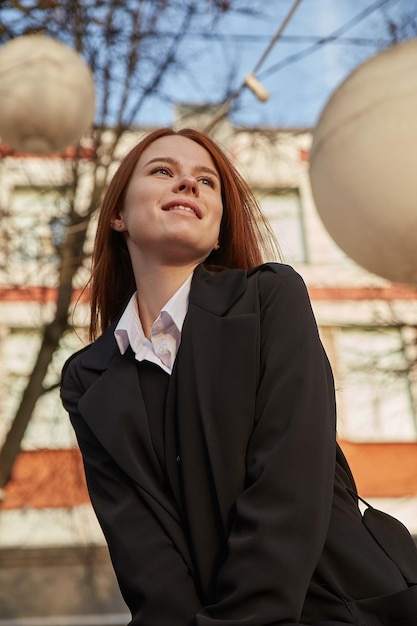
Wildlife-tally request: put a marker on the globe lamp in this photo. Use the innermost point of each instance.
(47, 95)
(363, 164)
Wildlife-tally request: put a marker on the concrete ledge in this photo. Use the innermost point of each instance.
(69, 586)
(70, 620)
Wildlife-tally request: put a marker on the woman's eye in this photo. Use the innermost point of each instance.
(207, 181)
(160, 170)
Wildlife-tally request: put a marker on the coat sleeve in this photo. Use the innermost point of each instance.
(282, 516)
(153, 577)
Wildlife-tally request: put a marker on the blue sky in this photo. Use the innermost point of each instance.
(299, 73)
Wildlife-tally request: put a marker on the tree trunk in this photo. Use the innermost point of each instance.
(71, 254)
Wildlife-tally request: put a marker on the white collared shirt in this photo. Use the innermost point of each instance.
(165, 339)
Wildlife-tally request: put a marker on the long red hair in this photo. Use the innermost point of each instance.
(246, 239)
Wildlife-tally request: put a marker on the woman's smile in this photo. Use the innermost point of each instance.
(183, 206)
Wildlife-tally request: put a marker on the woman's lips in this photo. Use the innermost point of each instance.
(183, 205)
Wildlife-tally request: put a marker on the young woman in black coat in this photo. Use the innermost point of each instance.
(204, 410)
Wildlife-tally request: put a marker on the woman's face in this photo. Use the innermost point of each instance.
(173, 205)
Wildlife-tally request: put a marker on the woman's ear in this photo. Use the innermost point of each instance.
(117, 223)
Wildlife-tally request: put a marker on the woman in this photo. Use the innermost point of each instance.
(205, 415)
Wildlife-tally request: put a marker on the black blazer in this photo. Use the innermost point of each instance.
(253, 520)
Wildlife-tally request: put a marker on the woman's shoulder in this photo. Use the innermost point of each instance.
(281, 288)
(280, 269)
(271, 278)
(276, 274)
(94, 355)
(75, 358)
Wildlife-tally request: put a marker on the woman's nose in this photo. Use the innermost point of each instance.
(188, 184)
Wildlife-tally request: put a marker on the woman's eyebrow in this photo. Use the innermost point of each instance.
(208, 170)
(198, 168)
(164, 159)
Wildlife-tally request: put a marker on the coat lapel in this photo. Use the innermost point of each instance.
(114, 409)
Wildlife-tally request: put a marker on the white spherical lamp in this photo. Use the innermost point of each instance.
(363, 164)
(47, 96)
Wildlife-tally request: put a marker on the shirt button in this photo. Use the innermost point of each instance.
(159, 325)
(162, 350)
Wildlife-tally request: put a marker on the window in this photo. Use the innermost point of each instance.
(31, 233)
(283, 211)
(376, 371)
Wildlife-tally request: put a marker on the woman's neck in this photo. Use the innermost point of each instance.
(155, 287)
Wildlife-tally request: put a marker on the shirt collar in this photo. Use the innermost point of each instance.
(129, 329)
(177, 306)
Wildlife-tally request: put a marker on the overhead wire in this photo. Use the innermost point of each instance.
(255, 85)
(325, 40)
(250, 80)
(251, 38)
